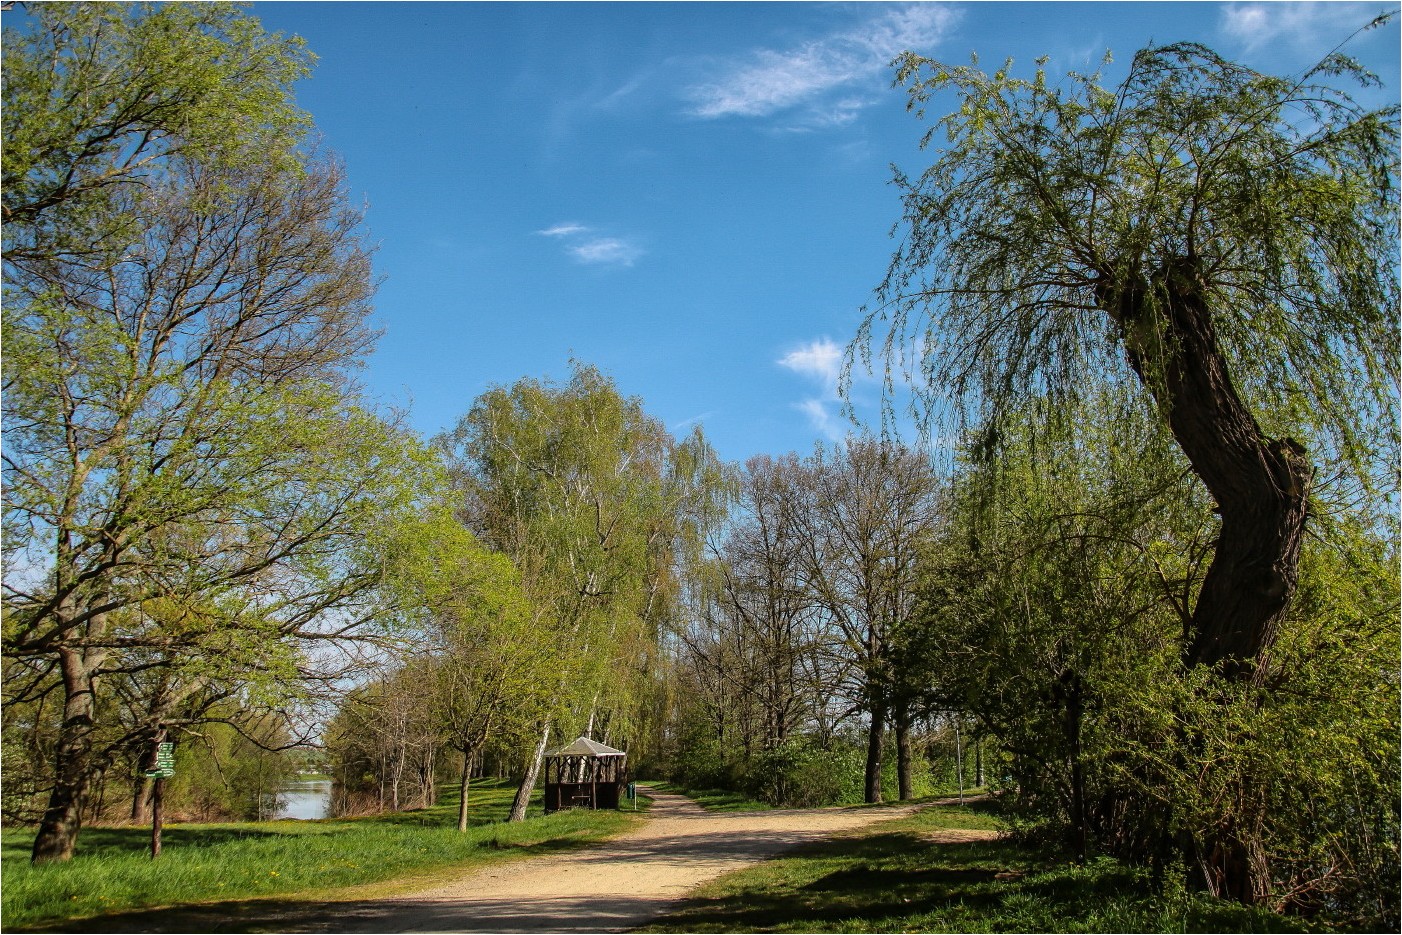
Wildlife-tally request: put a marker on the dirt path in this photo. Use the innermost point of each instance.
(608, 887)
(620, 884)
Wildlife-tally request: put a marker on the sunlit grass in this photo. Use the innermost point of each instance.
(911, 875)
(214, 862)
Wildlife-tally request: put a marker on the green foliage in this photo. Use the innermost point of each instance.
(1043, 194)
(99, 98)
(1055, 611)
(598, 507)
(1320, 736)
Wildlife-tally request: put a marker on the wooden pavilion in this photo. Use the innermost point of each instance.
(585, 774)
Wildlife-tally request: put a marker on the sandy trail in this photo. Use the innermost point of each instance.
(617, 885)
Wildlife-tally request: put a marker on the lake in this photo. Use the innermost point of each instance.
(305, 799)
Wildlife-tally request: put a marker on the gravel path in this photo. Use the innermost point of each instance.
(611, 886)
(617, 885)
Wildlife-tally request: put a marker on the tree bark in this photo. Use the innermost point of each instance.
(141, 800)
(1260, 486)
(73, 769)
(463, 785)
(875, 735)
(523, 792)
(905, 779)
(157, 816)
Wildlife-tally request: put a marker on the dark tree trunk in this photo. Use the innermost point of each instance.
(875, 735)
(157, 816)
(57, 836)
(1260, 486)
(905, 778)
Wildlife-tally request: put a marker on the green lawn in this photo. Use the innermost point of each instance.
(206, 863)
(897, 877)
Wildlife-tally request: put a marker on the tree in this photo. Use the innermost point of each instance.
(778, 630)
(99, 98)
(869, 509)
(483, 664)
(1224, 238)
(181, 426)
(594, 502)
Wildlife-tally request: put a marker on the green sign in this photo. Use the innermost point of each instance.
(165, 762)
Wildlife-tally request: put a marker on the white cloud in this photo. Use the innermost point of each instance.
(606, 251)
(822, 419)
(821, 359)
(581, 242)
(769, 80)
(563, 230)
(1256, 25)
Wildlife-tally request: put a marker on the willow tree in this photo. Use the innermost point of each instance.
(596, 503)
(1223, 238)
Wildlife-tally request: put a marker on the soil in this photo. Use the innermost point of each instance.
(617, 885)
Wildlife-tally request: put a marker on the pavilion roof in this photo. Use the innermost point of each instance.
(583, 746)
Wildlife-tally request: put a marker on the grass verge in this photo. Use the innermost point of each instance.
(924, 874)
(206, 863)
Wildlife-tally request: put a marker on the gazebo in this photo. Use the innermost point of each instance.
(584, 774)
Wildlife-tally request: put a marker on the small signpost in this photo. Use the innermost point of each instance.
(160, 767)
(164, 762)
(633, 794)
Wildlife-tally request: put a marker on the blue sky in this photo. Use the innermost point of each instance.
(694, 197)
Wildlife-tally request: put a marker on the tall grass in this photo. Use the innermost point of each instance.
(216, 862)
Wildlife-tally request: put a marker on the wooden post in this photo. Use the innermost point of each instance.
(959, 759)
(157, 809)
(157, 792)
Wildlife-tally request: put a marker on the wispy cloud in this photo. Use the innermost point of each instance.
(768, 81)
(595, 249)
(688, 423)
(611, 251)
(1256, 25)
(821, 361)
(563, 230)
(822, 418)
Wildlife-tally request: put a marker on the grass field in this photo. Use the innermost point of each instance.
(906, 875)
(202, 863)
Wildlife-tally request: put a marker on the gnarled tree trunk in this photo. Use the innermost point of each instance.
(1260, 486)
